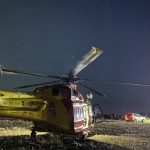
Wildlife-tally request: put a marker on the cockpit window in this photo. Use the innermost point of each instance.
(75, 93)
(78, 113)
(90, 111)
(55, 91)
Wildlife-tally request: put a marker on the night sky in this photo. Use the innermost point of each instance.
(50, 36)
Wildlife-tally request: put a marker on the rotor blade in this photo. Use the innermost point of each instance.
(93, 90)
(118, 82)
(11, 71)
(38, 84)
(129, 83)
(85, 61)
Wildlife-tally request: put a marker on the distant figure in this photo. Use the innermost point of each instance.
(114, 116)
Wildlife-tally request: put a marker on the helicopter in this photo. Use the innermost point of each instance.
(55, 106)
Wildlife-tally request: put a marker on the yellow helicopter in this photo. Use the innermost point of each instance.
(55, 106)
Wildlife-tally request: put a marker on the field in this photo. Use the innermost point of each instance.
(108, 134)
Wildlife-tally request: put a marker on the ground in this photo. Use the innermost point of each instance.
(107, 134)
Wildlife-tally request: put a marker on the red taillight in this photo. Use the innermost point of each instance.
(130, 116)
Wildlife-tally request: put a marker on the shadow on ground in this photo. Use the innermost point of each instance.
(48, 141)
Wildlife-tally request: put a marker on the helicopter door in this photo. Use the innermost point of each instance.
(78, 117)
(86, 115)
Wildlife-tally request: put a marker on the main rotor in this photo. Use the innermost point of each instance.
(70, 78)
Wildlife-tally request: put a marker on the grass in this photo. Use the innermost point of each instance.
(128, 135)
(108, 134)
(147, 120)
(124, 141)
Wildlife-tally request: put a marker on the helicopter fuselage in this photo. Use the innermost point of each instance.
(56, 108)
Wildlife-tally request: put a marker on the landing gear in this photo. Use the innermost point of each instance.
(84, 136)
(33, 134)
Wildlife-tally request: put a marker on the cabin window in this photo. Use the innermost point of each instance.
(52, 109)
(78, 113)
(75, 93)
(55, 91)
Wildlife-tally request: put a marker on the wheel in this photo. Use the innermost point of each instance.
(84, 136)
(33, 134)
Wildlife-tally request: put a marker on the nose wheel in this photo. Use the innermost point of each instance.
(84, 136)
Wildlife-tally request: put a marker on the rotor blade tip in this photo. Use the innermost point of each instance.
(1, 70)
(97, 50)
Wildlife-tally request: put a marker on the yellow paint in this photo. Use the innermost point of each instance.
(34, 106)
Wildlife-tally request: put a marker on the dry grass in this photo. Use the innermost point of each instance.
(147, 120)
(106, 135)
(127, 135)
